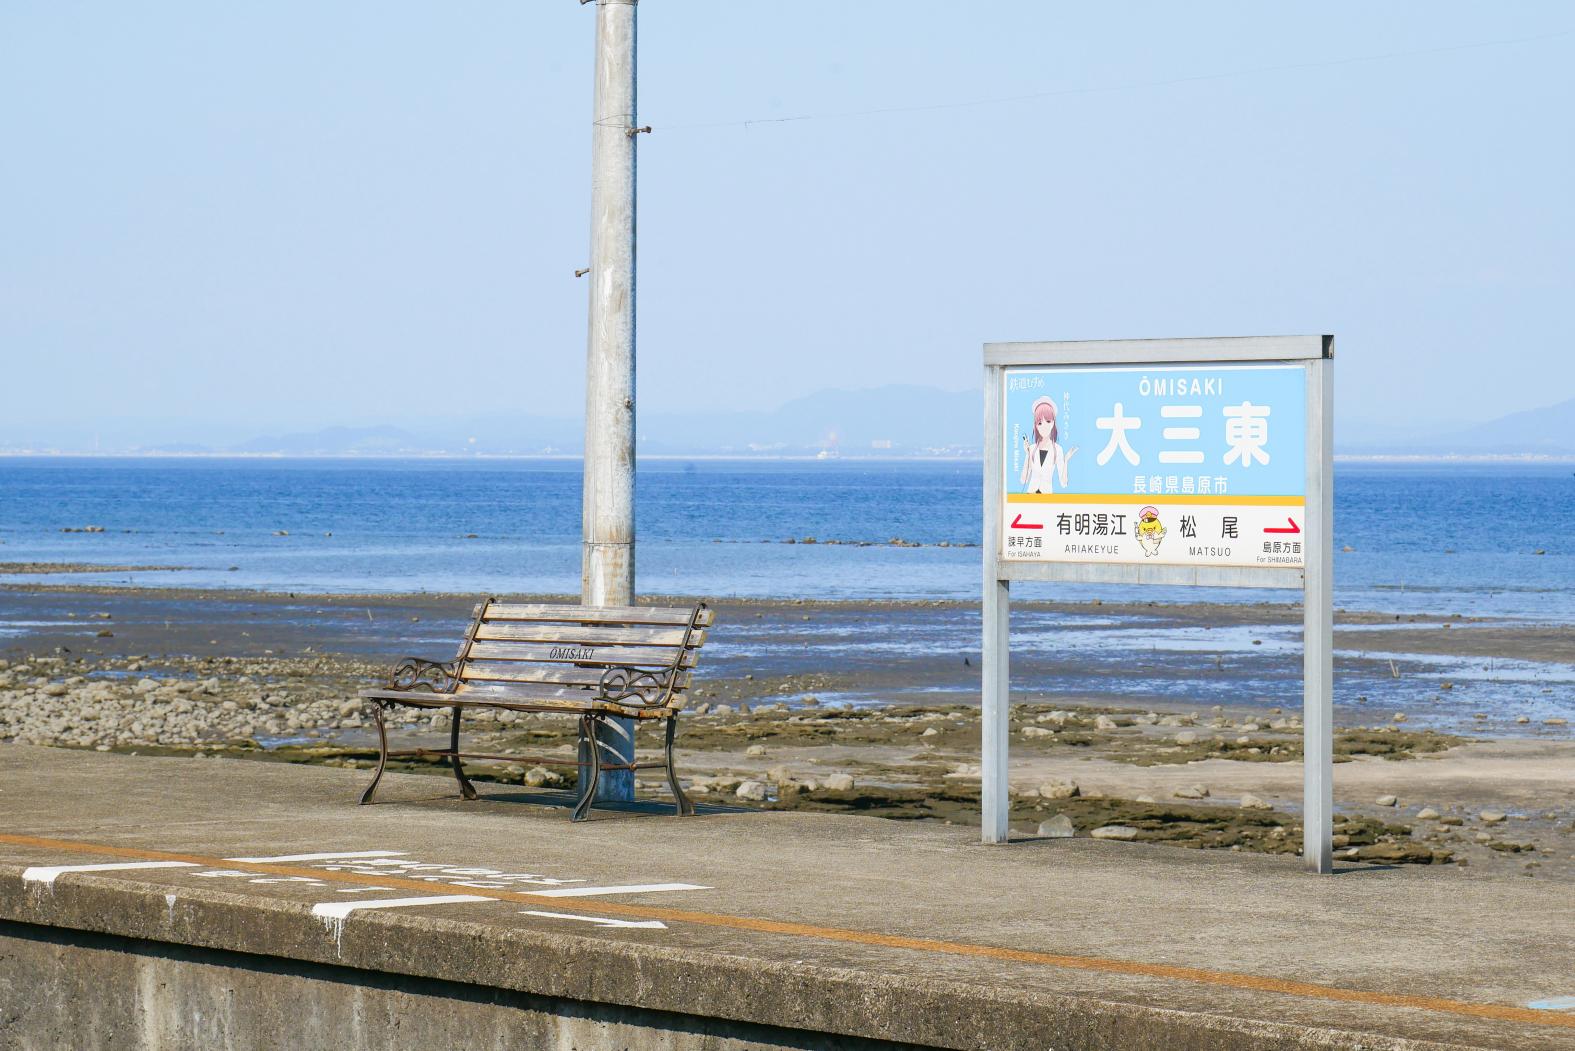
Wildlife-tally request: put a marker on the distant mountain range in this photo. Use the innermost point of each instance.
(896, 420)
(885, 421)
(1548, 431)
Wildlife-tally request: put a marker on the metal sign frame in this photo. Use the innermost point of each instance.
(1315, 354)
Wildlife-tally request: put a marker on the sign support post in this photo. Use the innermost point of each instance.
(1201, 462)
(996, 610)
(1318, 627)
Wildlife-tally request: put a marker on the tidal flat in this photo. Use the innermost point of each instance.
(871, 708)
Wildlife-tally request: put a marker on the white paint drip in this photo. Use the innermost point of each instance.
(334, 913)
(633, 888)
(169, 909)
(49, 873)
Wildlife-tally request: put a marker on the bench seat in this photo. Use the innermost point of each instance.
(523, 700)
(595, 662)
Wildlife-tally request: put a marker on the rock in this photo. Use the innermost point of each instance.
(722, 709)
(1120, 832)
(1427, 813)
(1491, 817)
(840, 782)
(751, 790)
(541, 777)
(55, 689)
(1192, 791)
(930, 731)
(1029, 731)
(702, 708)
(1105, 722)
(1387, 801)
(1143, 799)
(780, 774)
(1523, 718)
(1555, 721)
(755, 750)
(1252, 802)
(1058, 789)
(1058, 827)
(1187, 737)
(1399, 717)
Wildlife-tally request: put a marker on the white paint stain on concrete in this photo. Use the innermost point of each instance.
(334, 913)
(600, 921)
(49, 873)
(631, 888)
(333, 855)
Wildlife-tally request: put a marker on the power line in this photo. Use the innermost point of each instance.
(1110, 88)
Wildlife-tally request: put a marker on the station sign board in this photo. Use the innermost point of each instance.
(1183, 465)
(1202, 462)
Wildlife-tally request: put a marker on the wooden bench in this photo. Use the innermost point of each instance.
(596, 663)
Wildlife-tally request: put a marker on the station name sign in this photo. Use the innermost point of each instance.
(1162, 465)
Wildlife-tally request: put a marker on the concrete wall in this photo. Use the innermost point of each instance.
(74, 990)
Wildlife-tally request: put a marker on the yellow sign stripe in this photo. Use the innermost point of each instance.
(1156, 498)
(1174, 972)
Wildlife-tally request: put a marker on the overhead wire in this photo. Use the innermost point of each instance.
(1110, 88)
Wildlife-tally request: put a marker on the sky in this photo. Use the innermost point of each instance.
(230, 219)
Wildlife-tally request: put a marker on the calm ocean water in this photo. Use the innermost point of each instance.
(1436, 538)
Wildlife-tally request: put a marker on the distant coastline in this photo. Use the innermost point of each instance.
(808, 457)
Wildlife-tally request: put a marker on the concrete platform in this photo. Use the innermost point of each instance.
(268, 910)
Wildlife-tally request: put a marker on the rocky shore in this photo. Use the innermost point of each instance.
(275, 680)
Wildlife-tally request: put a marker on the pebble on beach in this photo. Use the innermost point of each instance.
(1058, 789)
(1119, 832)
(1058, 827)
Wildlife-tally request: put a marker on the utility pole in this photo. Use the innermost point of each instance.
(607, 576)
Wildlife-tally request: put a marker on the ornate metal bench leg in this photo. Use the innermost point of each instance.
(382, 752)
(685, 807)
(466, 789)
(590, 760)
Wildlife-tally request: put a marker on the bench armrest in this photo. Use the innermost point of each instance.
(635, 688)
(413, 673)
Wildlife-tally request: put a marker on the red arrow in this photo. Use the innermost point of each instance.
(1018, 523)
(1293, 528)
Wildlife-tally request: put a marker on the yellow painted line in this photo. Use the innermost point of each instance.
(1196, 975)
(1155, 498)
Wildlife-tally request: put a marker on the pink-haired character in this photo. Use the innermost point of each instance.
(1044, 459)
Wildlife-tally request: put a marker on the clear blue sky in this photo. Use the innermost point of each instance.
(247, 217)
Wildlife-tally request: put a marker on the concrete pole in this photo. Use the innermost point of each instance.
(995, 611)
(1318, 623)
(607, 576)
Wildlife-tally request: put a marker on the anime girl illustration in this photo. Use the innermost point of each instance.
(1043, 455)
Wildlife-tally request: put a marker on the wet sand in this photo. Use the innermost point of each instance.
(272, 676)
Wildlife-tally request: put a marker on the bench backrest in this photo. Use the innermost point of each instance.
(574, 647)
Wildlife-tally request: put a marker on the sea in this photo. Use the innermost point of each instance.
(1484, 541)
(1481, 540)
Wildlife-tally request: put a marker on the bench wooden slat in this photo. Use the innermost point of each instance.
(594, 634)
(558, 674)
(578, 653)
(595, 614)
